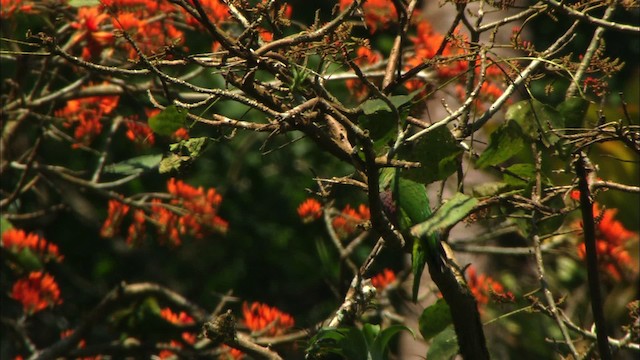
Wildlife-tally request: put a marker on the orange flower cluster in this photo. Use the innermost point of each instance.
(181, 318)
(484, 288)
(348, 220)
(427, 42)
(265, 319)
(611, 240)
(216, 10)
(111, 225)
(15, 240)
(197, 216)
(310, 210)
(377, 13)
(86, 115)
(383, 279)
(89, 33)
(139, 132)
(229, 353)
(364, 56)
(9, 7)
(36, 292)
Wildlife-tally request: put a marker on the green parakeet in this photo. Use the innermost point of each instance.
(406, 204)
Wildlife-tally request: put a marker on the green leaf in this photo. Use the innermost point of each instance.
(516, 173)
(5, 225)
(489, 189)
(134, 165)
(444, 345)
(81, 3)
(28, 260)
(437, 152)
(505, 142)
(380, 347)
(168, 120)
(382, 127)
(450, 213)
(195, 146)
(573, 109)
(378, 105)
(173, 162)
(536, 119)
(435, 319)
(348, 342)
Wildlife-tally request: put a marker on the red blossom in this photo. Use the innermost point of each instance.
(9, 7)
(15, 240)
(181, 318)
(137, 230)
(348, 220)
(383, 279)
(229, 353)
(364, 56)
(139, 132)
(266, 319)
(611, 239)
(484, 288)
(377, 13)
(86, 115)
(310, 210)
(111, 225)
(36, 292)
(216, 10)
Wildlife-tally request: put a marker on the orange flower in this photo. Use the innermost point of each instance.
(348, 220)
(484, 287)
(15, 240)
(117, 212)
(139, 132)
(377, 13)
(310, 210)
(180, 318)
(137, 229)
(364, 56)
(611, 238)
(88, 32)
(36, 292)
(229, 353)
(266, 319)
(181, 134)
(216, 10)
(9, 7)
(201, 213)
(427, 42)
(382, 280)
(85, 114)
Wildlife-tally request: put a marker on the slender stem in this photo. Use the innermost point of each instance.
(535, 196)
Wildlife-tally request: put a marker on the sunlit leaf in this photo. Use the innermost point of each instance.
(173, 162)
(450, 213)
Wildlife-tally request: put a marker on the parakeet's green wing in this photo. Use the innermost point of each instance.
(412, 207)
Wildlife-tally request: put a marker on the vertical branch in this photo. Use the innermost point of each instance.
(586, 208)
(536, 196)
